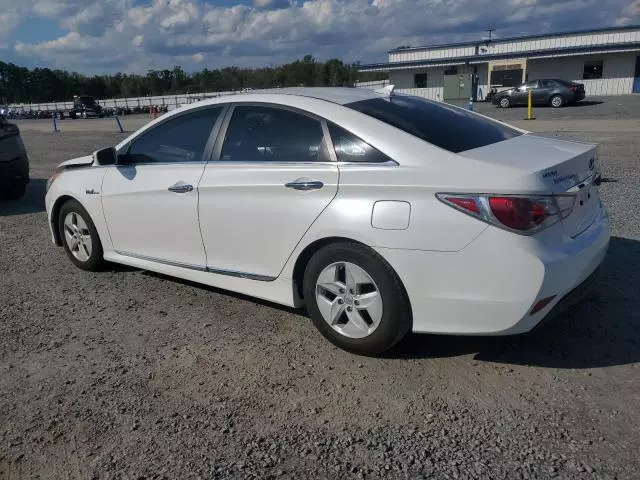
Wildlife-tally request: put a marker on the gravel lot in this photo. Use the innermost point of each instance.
(128, 374)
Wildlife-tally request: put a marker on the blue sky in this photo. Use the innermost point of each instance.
(95, 36)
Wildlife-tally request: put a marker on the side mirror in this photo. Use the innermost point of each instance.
(105, 156)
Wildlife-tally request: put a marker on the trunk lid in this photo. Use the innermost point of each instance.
(561, 166)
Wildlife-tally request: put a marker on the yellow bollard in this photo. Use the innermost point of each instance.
(530, 107)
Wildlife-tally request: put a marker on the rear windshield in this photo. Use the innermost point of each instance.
(447, 127)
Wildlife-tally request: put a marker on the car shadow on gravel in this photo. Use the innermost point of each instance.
(602, 331)
(32, 202)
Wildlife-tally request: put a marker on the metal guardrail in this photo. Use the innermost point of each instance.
(171, 101)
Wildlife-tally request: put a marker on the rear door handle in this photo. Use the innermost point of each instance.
(180, 188)
(303, 185)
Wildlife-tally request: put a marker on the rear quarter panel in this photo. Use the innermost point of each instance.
(433, 226)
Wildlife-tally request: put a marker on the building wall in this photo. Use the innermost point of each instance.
(564, 41)
(618, 71)
(497, 46)
(404, 81)
(430, 54)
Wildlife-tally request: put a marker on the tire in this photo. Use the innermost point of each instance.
(388, 317)
(557, 101)
(14, 191)
(504, 102)
(87, 253)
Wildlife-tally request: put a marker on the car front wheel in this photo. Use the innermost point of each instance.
(505, 102)
(355, 299)
(80, 237)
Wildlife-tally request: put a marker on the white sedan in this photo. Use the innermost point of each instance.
(381, 213)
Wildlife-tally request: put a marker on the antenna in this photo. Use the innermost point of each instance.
(490, 30)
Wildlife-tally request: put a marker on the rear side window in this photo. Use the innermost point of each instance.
(270, 134)
(350, 148)
(442, 125)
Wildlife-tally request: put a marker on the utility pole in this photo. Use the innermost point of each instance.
(490, 30)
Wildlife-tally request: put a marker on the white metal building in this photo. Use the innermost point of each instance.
(606, 60)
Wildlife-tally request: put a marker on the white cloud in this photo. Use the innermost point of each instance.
(162, 32)
(630, 14)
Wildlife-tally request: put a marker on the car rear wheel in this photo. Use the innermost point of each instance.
(80, 237)
(557, 101)
(355, 299)
(505, 102)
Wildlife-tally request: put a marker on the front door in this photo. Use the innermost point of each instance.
(150, 199)
(542, 94)
(273, 178)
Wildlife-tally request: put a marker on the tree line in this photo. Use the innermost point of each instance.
(22, 85)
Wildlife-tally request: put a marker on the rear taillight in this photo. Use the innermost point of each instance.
(518, 213)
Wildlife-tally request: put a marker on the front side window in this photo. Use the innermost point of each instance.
(268, 134)
(592, 69)
(350, 148)
(528, 86)
(442, 125)
(181, 139)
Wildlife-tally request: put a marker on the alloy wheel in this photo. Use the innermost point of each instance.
(349, 300)
(77, 236)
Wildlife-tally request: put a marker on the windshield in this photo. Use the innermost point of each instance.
(442, 125)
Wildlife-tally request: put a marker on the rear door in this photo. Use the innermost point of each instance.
(271, 176)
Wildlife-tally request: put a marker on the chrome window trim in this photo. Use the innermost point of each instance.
(198, 162)
(200, 268)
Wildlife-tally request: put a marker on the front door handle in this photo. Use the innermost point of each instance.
(304, 185)
(180, 188)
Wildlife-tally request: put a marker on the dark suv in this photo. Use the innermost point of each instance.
(14, 164)
(554, 92)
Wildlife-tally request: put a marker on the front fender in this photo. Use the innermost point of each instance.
(83, 185)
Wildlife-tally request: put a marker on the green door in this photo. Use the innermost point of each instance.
(451, 87)
(457, 87)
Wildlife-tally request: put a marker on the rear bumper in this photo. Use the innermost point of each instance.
(571, 299)
(491, 286)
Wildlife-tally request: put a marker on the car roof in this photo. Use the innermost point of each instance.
(339, 95)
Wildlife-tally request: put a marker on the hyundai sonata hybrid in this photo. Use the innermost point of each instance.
(381, 213)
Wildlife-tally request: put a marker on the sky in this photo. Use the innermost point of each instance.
(101, 36)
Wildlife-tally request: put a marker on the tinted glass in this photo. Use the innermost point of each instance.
(350, 148)
(181, 139)
(592, 69)
(420, 80)
(443, 125)
(267, 134)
